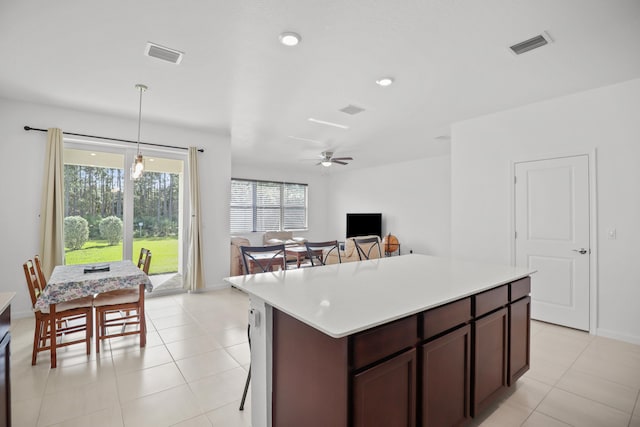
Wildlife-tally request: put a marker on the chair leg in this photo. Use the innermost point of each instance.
(54, 335)
(246, 384)
(246, 388)
(36, 341)
(88, 323)
(98, 320)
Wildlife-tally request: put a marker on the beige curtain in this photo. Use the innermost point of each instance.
(194, 279)
(51, 208)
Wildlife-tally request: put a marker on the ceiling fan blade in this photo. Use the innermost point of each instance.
(339, 162)
(342, 158)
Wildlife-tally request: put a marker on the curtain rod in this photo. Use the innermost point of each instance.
(201, 150)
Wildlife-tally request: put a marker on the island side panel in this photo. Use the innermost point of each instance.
(310, 378)
(261, 346)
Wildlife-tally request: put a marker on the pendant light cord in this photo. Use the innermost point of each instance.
(141, 88)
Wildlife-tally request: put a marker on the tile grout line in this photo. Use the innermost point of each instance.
(635, 406)
(554, 386)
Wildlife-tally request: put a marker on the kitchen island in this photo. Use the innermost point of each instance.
(405, 340)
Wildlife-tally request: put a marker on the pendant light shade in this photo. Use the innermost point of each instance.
(137, 168)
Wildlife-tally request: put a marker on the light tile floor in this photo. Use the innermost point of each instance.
(193, 370)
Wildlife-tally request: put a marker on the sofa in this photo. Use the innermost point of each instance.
(281, 237)
(350, 253)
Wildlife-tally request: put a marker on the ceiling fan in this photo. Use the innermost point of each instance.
(327, 159)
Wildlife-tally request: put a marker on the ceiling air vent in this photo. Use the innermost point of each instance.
(532, 43)
(163, 53)
(352, 109)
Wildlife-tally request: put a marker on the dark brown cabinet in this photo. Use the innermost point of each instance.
(436, 368)
(490, 359)
(5, 374)
(519, 338)
(385, 394)
(446, 363)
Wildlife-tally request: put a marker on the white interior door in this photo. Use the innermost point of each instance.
(552, 237)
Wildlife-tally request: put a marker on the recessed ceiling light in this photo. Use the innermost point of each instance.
(93, 154)
(322, 122)
(290, 39)
(152, 160)
(385, 81)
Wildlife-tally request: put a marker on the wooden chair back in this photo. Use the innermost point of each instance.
(144, 261)
(365, 246)
(34, 283)
(265, 258)
(38, 264)
(318, 252)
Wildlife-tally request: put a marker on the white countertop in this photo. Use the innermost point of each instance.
(5, 299)
(343, 299)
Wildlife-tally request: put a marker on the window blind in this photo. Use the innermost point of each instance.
(266, 205)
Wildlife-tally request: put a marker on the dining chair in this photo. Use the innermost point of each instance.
(365, 247)
(122, 308)
(265, 258)
(70, 317)
(318, 252)
(144, 260)
(61, 323)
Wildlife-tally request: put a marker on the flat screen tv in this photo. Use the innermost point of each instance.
(364, 224)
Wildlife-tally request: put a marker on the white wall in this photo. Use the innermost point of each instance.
(316, 191)
(413, 197)
(22, 159)
(605, 119)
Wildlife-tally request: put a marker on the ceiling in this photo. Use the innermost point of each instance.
(449, 58)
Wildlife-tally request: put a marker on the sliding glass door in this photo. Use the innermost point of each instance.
(157, 217)
(109, 217)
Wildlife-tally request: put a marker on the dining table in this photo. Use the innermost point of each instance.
(69, 282)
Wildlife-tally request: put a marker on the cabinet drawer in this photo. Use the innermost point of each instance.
(519, 288)
(491, 300)
(375, 344)
(440, 319)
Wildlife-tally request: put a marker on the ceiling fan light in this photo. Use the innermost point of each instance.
(326, 163)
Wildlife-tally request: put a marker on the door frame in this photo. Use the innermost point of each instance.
(593, 222)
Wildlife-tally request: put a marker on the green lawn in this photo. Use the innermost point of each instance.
(164, 253)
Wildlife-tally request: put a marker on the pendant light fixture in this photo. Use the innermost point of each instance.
(137, 168)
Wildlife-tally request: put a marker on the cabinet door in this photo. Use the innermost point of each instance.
(385, 394)
(446, 364)
(519, 338)
(490, 360)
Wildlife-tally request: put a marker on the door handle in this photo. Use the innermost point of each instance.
(581, 251)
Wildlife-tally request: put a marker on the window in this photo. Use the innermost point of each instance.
(267, 206)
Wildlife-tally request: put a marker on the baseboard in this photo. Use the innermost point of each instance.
(633, 339)
(221, 285)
